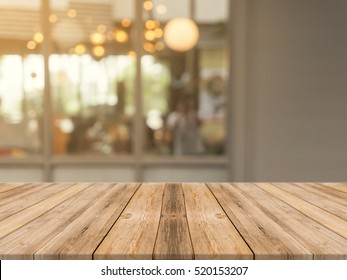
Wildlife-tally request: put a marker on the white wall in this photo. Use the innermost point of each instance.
(296, 90)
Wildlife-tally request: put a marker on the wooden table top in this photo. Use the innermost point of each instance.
(173, 221)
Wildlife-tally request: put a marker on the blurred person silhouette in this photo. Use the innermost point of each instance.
(184, 125)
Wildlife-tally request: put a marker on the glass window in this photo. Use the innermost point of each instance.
(92, 75)
(21, 79)
(184, 72)
(92, 67)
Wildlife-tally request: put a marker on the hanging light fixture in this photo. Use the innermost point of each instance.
(181, 34)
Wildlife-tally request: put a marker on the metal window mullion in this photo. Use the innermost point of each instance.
(47, 105)
(138, 118)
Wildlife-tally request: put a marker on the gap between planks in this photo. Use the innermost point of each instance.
(265, 238)
(316, 213)
(173, 240)
(26, 215)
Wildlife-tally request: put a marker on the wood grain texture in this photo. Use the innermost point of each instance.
(330, 220)
(80, 238)
(21, 199)
(321, 241)
(266, 238)
(17, 191)
(342, 187)
(329, 200)
(29, 238)
(23, 217)
(133, 235)
(173, 221)
(336, 191)
(6, 187)
(213, 235)
(173, 240)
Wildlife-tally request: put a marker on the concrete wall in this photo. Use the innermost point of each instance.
(295, 86)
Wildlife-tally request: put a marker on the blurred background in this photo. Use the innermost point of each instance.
(184, 90)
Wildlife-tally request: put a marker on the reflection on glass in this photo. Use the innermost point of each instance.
(92, 75)
(21, 79)
(92, 71)
(184, 77)
(93, 103)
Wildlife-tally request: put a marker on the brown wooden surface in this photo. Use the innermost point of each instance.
(133, 235)
(173, 221)
(173, 240)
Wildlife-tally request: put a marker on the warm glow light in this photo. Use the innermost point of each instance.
(148, 5)
(121, 36)
(80, 49)
(53, 18)
(150, 24)
(98, 51)
(161, 9)
(72, 13)
(149, 47)
(38, 37)
(31, 45)
(150, 35)
(181, 34)
(126, 22)
(97, 38)
(159, 32)
(132, 54)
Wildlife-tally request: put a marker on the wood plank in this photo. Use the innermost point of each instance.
(334, 194)
(23, 217)
(173, 240)
(4, 187)
(323, 217)
(342, 187)
(31, 237)
(173, 221)
(80, 239)
(321, 241)
(25, 199)
(13, 194)
(213, 235)
(133, 235)
(265, 237)
(319, 196)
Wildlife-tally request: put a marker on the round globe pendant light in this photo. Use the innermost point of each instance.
(181, 34)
